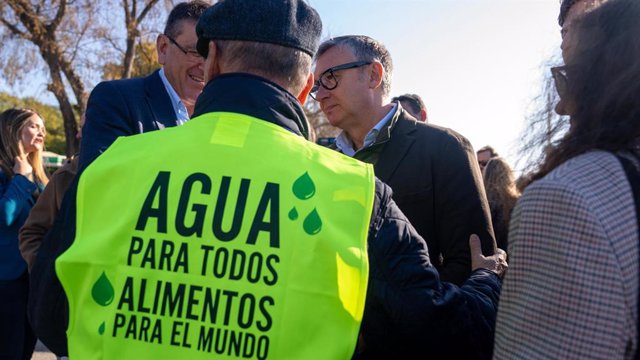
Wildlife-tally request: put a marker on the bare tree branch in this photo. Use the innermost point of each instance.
(146, 10)
(59, 16)
(70, 38)
(14, 29)
(127, 14)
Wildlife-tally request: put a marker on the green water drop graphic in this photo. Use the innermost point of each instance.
(101, 328)
(293, 214)
(303, 187)
(102, 291)
(312, 223)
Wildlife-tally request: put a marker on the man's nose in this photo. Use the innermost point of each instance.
(322, 93)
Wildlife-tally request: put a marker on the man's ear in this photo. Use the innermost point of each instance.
(304, 94)
(423, 115)
(211, 63)
(375, 74)
(162, 45)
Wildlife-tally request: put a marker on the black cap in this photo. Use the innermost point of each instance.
(290, 23)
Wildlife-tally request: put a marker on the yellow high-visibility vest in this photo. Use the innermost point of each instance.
(225, 238)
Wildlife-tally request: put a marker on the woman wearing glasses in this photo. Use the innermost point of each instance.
(572, 288)
(22, 177)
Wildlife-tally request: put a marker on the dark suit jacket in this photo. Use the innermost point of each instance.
(122, 108)
(437, 184)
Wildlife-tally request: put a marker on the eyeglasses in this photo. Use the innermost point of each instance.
(560, 80)
(328, 79)
(191, 53)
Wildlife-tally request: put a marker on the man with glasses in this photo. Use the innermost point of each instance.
(163, 99)
(432, 171)
(484, 154)
(338, 266)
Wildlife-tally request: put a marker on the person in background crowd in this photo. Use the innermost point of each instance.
(163, 99)
(572, 287)
(570, 11)
(484, 155)
(414, 105)
(250, 122)
(119, 108)
(432, 170)
(22, 177)
(502, 194)
(46, 208)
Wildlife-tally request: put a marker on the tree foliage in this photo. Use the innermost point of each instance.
(145, 62)
(69, 42)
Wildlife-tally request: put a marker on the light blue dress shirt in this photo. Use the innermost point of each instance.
(182, 115)
(345, 145)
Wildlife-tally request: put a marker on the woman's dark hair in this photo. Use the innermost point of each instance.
(603, 84)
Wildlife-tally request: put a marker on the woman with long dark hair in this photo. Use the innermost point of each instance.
(572, 287)
(22, 177)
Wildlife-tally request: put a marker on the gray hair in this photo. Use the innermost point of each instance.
(286, 66)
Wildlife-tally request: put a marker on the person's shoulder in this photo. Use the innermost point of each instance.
(591, 178)
(432, 130)
(582, 170)
(439, 137)
(70, 168)
(123, 84)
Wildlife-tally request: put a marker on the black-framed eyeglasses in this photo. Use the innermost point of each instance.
(328, 79)
(192, 53)
(559, 74)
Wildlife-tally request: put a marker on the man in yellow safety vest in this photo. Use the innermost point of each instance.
(233, 237)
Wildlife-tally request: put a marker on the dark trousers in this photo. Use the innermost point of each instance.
(17, 340)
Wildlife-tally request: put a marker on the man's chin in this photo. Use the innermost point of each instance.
(334, 122)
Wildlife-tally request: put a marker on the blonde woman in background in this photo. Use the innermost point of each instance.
(22, 178)
(502, 194)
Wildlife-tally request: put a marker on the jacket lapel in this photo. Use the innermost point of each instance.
(159, 101)
(402, 138)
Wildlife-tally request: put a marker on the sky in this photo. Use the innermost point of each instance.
(477, 64)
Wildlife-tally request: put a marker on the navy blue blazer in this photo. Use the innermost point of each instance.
(122, 108)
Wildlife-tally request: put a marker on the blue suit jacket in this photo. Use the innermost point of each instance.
(122, 108)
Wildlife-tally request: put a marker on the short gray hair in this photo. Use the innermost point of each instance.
(284, 65)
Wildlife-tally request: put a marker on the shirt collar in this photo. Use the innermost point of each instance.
(345, 145)
(182, 115)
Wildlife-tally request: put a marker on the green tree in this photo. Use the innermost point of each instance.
(67, 38)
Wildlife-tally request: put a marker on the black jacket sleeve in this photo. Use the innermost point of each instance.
(409, 312)
(460, 206)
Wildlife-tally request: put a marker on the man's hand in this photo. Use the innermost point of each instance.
(496, 262)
